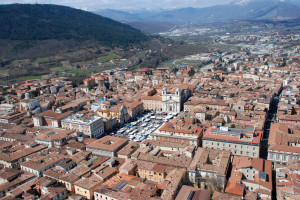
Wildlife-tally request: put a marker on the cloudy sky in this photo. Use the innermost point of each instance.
(124, 4)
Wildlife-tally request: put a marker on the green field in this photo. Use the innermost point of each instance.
(167, 64)
(136, 68)
(40, 60)
(109, 57)
(63, 68)
(181, 62)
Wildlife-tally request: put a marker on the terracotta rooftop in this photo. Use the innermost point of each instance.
(108, 143)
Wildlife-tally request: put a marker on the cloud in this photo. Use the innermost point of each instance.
(124, 4)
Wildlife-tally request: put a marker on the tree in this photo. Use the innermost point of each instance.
(33, 94)
(174, 70)
(22, 96)
(192, 72)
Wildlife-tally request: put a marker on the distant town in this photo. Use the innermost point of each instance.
(226, 128)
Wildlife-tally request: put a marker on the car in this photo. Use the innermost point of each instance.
(144, 124)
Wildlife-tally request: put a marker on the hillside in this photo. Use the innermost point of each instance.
(38, 40)
(45, 22)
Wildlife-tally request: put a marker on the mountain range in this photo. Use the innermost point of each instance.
(238, 10)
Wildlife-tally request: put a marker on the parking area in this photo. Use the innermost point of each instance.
(143, 126)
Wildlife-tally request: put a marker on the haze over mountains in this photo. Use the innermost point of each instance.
(238, 10)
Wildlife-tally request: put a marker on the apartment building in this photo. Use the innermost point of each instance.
(54, 137)
(250, 175)
(86, 185)
(49, 119)
(91, 126)
(283, 143)
(243, 142)
(13, 160)
(209, 168)
(29, 104)
(38, 164)
(107, 146)
(287, 180)
(152, 102)
(151, 171)
(183, 129)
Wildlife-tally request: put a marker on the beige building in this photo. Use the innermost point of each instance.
(152, 102)
(120, 112)
(39, 164)
(13, 160)
(107, 146)
(180, 130)
(151, 171)
(54, 137)
(86, 186)
(92, 127)
(243, 142)
(209, 168)
(218, 105)
(129, 149)
(283, 143)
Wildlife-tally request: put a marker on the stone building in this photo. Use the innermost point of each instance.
(173, 99)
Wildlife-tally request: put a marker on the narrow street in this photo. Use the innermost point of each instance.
(269, 119)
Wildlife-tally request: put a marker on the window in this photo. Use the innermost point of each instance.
(284, 157)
